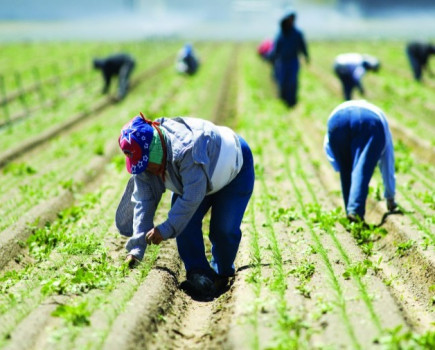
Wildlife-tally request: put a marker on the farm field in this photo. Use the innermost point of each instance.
(306, 278)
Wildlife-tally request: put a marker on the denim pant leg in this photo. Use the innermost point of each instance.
(340, 140)
(347, 84)
(292, 82)
(190, 242)
(228, 208)
(366, 148)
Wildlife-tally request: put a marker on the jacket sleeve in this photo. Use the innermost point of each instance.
(330, 154)
(146, 196)
(194, 190)
(386, 165)
(303, 46)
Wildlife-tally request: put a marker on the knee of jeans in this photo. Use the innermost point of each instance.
(226, 233)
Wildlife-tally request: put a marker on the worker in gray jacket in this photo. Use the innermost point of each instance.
(205, 166)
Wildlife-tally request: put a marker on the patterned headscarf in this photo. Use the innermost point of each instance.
(135, 140)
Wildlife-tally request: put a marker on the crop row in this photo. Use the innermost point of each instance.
(77, 256)
(306, 278)
(317, 253)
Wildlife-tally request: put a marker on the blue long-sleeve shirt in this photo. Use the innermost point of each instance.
(386, 161)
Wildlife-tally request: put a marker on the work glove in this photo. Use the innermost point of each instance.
(391, 204)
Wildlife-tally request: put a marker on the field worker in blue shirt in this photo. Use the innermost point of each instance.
(358, 138)
(187, 62)
(120, 65)
(350, 68)
(205, 166)
(287, 47)
(418, 56)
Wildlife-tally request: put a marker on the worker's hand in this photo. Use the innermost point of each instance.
(131, 261)
(391, 204)
(153, 236)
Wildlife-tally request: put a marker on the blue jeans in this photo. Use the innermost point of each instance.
(286, 73)
(357, 144)
(227, 209)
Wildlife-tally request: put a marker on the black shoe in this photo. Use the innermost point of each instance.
(222, 284)
(199, 287)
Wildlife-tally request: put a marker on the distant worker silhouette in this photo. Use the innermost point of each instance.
(187, 62)
(350, 68)
(120, 65)
(287, 46)
(358, 138)
(418, 56)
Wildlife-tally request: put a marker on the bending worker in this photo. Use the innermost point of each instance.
(187, 62)
(120, 65)
(205, 166)
(350, 68)
(418, 56)
(358, 138)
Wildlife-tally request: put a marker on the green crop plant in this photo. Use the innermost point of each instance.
(82, 278)
(403, 161)
(396, 338)
(357, 269)
(428, 198)
(286, 215)
(403, 248)
(75, 315)
(364, 234)
(19, 169)
(304, 272)
(45, 239)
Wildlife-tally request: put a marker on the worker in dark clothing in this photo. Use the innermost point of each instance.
(418, 55)
(287, 46)
(187, 62)
(350, 68)
(121, 65)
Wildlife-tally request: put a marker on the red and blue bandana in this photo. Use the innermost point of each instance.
(135, 140)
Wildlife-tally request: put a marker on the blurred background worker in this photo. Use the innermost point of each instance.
(418, 56)
(350, 68)
(358, 137)
(187, 62)
(120, 65)
(287, 46)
